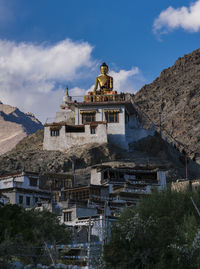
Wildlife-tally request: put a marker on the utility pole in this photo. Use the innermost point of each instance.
(186, 167)
(105, 228)
(195, 206)
(186, 163)
(50, 255)
(73, 169)
(89, 242)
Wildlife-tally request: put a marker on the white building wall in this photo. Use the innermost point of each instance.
(115, 131)
(134, 130)
(6, 183)
(67, 140)
(95, 177)
(32, 196)
(14, 195)
(161, 176)
(11, 196)
(78, 212)
(65, 115)
(22, 183)
(120, 133)
(18, 182)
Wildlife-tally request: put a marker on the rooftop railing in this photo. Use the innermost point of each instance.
(104, 97)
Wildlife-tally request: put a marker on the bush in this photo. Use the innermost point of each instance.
(160, 232)
(23, 233)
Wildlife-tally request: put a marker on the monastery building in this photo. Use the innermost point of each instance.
(104, 116)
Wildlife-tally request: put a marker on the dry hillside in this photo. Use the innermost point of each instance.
(15, 125)
(175, 96)
(148, 152)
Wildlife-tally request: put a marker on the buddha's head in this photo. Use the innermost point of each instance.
(104, 69)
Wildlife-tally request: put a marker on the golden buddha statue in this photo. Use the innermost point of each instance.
(104, 81)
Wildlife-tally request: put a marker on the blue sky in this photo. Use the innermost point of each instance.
(45, 44)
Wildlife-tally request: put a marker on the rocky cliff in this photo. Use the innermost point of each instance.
(15, 125)
(173, 99)
(148, 152)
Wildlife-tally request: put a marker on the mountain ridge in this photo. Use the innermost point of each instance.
(14, 126)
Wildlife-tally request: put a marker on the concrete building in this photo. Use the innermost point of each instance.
(185, 185)
(116, 173)
(126, 184)
(23, 189)
(4, 200)
(106, 118)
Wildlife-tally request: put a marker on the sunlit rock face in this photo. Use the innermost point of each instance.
(15, 125)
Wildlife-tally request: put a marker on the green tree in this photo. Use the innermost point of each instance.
(162, 231)
(23, 233)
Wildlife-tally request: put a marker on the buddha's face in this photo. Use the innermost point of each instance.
(104, 70)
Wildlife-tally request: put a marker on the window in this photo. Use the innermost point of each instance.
(21, 198)
(92, 130)
(105, 174)
(112, 175)
(88, 117)
(28, 200)
(74, 129)
(56, 183)
(112, 116)
(68, 216)
(33, 182)
(36, 200)
(85, 195)
(54, 132)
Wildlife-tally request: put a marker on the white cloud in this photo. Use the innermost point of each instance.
(77, 92)
(30, 74)
(187, 18)
(32, 77)
(125, 80)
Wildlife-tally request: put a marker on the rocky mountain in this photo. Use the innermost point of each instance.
(173, 100)
(148, 152)
(15, 125)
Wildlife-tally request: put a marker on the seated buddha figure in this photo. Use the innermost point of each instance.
(104, 81)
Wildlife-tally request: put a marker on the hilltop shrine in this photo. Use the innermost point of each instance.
(104, 116)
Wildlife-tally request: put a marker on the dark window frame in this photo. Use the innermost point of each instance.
(92, 130)
(54, 132)
(33, 182)
(74, 129)
(21, 199)
(88, 117)
(112, 117)
(28, 200)
(68, 216)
